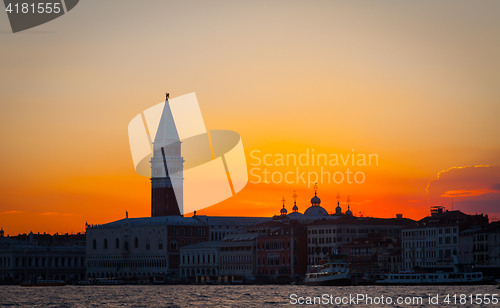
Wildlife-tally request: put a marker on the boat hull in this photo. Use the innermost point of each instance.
(425, 279)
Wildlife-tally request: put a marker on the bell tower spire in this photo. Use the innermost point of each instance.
(166, 167)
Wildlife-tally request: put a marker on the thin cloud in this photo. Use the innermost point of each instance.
(12, 212)
(467, 193)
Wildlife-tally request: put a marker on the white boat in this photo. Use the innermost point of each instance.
(462, 274)
(439, 278)
(329, 274)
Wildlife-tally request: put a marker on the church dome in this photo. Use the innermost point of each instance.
(315, 200)
(348, 212)
(283, 211)
(295, 208)
(316, 211)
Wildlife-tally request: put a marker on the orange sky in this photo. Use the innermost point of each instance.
(415, 83)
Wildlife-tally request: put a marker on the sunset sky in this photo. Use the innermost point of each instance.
(416, 83)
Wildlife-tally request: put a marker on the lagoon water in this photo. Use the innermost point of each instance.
(230, 296)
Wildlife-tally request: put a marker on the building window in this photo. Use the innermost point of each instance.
(94, 244)
(117, 243)
(105, 243)
(148, 245)
(136, 243)
(190, 232)
(160, 245)
(173, 245)
(183, 232)
(175, 231)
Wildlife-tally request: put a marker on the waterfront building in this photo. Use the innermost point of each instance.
(433, 242)
(494, 244)
(200, 261)
(134, 247)
(20, 260)
(486, 245)
(373, 254)
(237, 257)
(466, 244)
(325, 237)
(281, 249)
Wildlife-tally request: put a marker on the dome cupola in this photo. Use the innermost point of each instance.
(315, 201)
(338, 209)
(283, 211)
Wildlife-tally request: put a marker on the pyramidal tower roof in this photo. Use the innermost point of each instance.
(167, 132)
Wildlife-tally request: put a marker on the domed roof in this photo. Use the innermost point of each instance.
(295, 208)
(283, 211)
(348, 212)
(315, 200)
(316, 211)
